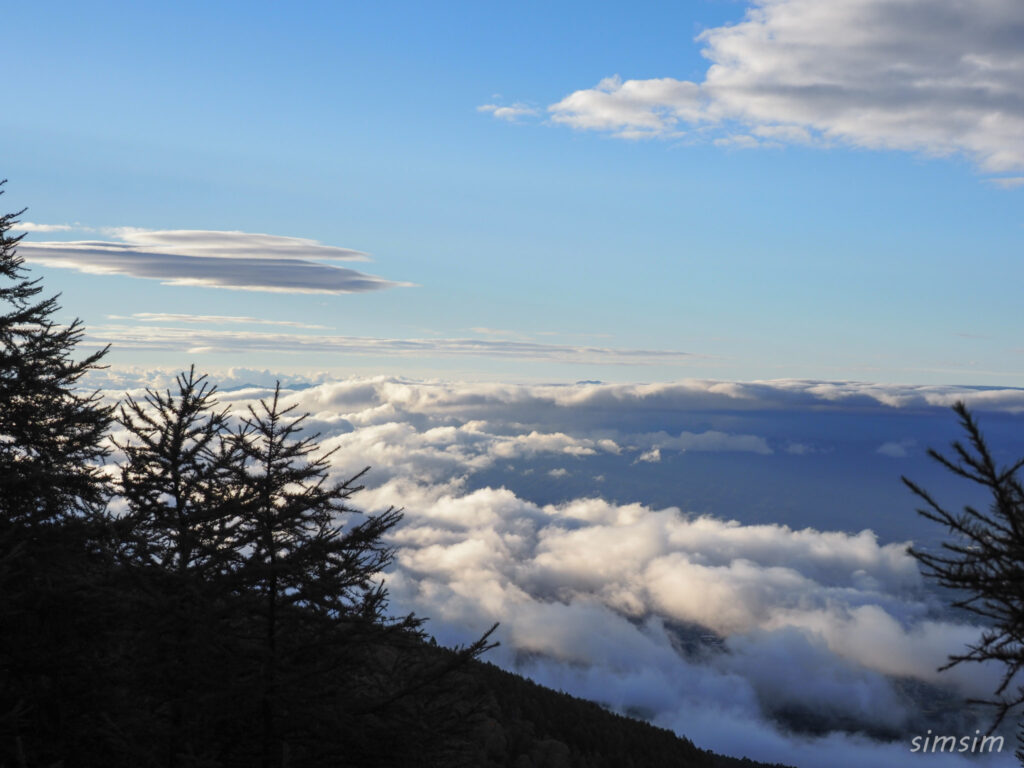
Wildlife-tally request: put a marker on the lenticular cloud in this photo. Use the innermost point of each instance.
(235, 260)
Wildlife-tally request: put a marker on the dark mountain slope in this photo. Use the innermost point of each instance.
(525, 725)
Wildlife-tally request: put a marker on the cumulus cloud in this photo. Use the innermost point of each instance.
(790, 644)
(632, 108)
(652, 456)
(512, 112)
(806, 635)
(235, 260)
(936, 76)
(896, 449)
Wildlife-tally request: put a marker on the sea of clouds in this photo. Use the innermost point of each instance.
(805, 635)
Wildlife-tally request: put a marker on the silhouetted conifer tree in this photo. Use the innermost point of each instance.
(50, 434)
(311, 559)
(984, 560)
(178, 541)
(52, 495)
(177, 481)
(255, 609)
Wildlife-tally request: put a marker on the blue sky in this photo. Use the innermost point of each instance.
(873, 233)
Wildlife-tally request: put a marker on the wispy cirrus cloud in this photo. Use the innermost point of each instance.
(214, 259)
(1008, 182)
(31, 226)
(168, 317)
(208, 341)
(499, 332)
(941, 77)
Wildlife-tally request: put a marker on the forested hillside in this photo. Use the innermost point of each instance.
(525, 725)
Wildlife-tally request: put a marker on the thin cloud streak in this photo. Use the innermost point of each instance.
(165, 317)
(1008, 182)
(30, 226)
(208, 341)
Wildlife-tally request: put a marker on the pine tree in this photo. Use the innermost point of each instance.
(51, 436)
(984, 560)
(177, 479)
(312, 560)
(52, 496)
(256, 613)
(177, 539)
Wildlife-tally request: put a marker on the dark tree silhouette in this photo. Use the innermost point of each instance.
(311, 559)
(177, 481)
(984, 560)
(255, 611)
(52, 496)
(177, 540)
(50, 435)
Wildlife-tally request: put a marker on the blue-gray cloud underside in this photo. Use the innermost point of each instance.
(233, 260)
(177, 339)
(276, 275)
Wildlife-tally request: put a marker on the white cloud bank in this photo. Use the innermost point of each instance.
(235, 260)
(937, 76)
(803, 646)
(525, 403)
